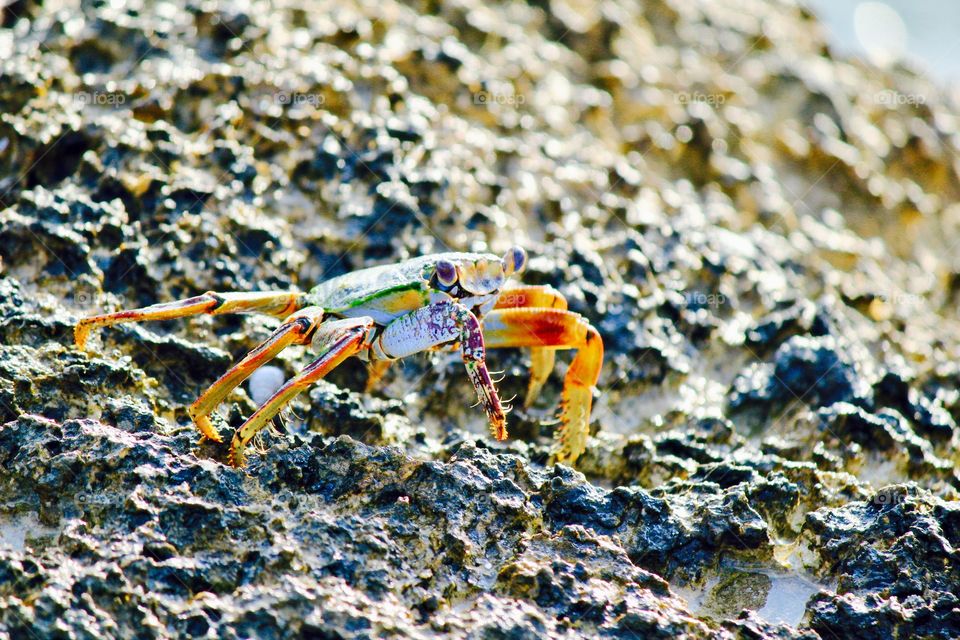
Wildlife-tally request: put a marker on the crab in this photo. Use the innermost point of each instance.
(446, 301)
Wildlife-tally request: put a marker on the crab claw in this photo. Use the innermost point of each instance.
(489, 400)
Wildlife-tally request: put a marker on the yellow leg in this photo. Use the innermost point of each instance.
(541, 364)
(296, 329)
(280, 304)
(335, 341)
(376, 370)
(556, 329)
(541, 358)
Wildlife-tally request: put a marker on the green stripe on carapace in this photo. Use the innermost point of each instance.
(413, 286)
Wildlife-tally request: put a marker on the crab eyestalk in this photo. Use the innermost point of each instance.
(514, 261)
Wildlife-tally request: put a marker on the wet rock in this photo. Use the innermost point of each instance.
(896, 561)
(776, 368)
(804, 370)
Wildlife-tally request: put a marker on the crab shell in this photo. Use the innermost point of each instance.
(389, 291)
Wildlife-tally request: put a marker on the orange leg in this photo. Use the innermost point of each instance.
(280, 304)
(543, 296)
(376, 370)
(336, 341)
(296, 329)
(541, 359)
(556, 329)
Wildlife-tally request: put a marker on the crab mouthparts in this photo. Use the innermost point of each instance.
(481, 278)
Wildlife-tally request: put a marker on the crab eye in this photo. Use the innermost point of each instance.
(514, 260)
(446, 273)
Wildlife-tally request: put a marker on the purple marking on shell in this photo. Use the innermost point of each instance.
(441, 319)
(472, 336)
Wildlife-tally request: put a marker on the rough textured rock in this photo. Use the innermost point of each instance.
(763, 238)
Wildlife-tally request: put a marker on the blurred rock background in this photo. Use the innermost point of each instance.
(764, 232)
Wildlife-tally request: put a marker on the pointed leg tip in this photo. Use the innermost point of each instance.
(236, 457)
(498, 417)
(206, 429)
(499, 429)
(533, 392)
(568, 455)
(574, 428)
(80, 335)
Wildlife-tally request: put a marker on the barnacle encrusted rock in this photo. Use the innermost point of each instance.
(762, 236)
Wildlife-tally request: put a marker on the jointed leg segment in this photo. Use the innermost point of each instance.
(296, 329)
(541, 358)
(280, 304)
(441, 324)
(335, 341)
(540, 296)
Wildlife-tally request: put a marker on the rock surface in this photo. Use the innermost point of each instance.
(764, 235)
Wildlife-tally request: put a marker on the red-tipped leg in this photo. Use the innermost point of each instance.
(556, 329)
(280, 304)
(335, 341)
(296, 329)
(541, 358)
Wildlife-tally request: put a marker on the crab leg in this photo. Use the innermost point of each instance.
(441, 324)
(335, 342)
(543, 296)
(558, 329)
(280, 304)
(296, 329)
(541, 358)
(375, 373)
